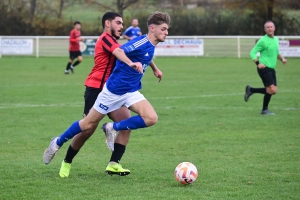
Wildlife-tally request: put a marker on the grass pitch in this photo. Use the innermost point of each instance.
(203, 119)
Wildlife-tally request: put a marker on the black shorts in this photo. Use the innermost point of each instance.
(268, 76)
(90, 96)
(74, 54)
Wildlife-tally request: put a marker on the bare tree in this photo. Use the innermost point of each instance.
(123, 4)
(115, 5)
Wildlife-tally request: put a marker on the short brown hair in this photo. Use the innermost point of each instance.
(159, 18)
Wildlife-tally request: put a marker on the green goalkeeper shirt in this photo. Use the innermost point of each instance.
(269, 50)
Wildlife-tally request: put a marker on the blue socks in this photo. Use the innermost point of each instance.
(131, 123)
(73, 130)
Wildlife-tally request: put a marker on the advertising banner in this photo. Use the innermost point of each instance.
(16, 46)
(289, 48)
(88, 47)
(180, 47)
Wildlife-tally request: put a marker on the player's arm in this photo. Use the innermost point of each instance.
(281, 58)
(126, 37)
(73, 38)
(120, 54)
(125, 34)
(259, 46)
(156, 71)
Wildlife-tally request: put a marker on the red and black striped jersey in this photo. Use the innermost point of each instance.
(104, 61)
(74, 43)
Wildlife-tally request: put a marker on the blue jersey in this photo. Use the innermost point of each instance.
(132, 32)
(124, 78)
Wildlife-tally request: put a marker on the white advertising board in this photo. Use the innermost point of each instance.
(289, 48)
(180, 47)
(16, 46)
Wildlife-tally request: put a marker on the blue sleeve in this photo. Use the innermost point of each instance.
(132, 46)
(127, 30)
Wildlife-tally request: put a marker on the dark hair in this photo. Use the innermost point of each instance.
(76, 22)
(159, 18)
(109, 16)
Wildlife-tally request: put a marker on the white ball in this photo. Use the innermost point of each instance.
(186, 173)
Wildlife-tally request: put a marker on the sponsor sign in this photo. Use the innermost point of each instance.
(289, 48)
(180, 47)
(88, 47)
(16, 46)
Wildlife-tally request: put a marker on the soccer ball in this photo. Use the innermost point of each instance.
(186, 173)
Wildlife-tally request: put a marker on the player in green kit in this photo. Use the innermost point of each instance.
(268, 46)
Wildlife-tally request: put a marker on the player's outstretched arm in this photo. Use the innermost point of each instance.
(282, 59)
(156, 71)
(119, 53)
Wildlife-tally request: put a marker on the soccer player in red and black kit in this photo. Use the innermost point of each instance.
(74, 49)
(106, 51)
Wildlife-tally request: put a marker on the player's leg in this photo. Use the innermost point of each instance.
(250, 90)
(268, 78)
(146, 115)
(120, 144)
(69, 64)
(90, 96)
(87, 126)
(77, 62)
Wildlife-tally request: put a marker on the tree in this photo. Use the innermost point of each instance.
(265, 7)
(115, 5)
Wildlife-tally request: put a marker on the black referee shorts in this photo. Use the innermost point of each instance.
(74, 54)
(268, 76)
(90, 96)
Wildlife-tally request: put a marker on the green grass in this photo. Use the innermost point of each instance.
(203, 119)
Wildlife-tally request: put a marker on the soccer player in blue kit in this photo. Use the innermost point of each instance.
(132, 31)
(122, 89)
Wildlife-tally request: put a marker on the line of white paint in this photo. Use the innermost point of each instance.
(213, 108)
(20, 105)
(212, 95)
(75, 104)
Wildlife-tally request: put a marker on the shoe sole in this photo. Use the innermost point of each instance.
(117, 173)
(52, 140)
(245, 96)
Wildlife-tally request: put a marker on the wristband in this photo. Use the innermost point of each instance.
(257, 63)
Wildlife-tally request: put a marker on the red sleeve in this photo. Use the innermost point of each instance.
(73, 37)
(109, 44)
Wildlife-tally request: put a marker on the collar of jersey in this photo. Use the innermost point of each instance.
(149, 40)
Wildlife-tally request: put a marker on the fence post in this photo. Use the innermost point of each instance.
(238, 47)
(0, 48)
(37, 47)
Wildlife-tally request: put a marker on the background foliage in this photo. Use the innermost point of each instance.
(189, 17)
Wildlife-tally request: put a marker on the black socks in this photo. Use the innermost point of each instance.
(118, 152)
(76, 63)
(258, 90)
(68, 66)
(71, 153)
(267, 99)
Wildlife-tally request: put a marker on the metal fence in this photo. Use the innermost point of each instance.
(214, 46)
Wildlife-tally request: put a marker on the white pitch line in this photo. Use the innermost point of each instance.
(5, 106)
(211, 95)
(196, 96)
(212, 108)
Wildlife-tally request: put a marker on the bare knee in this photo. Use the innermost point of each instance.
(150, 119)
(272, 90)
(79, 59)
(87, 127)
